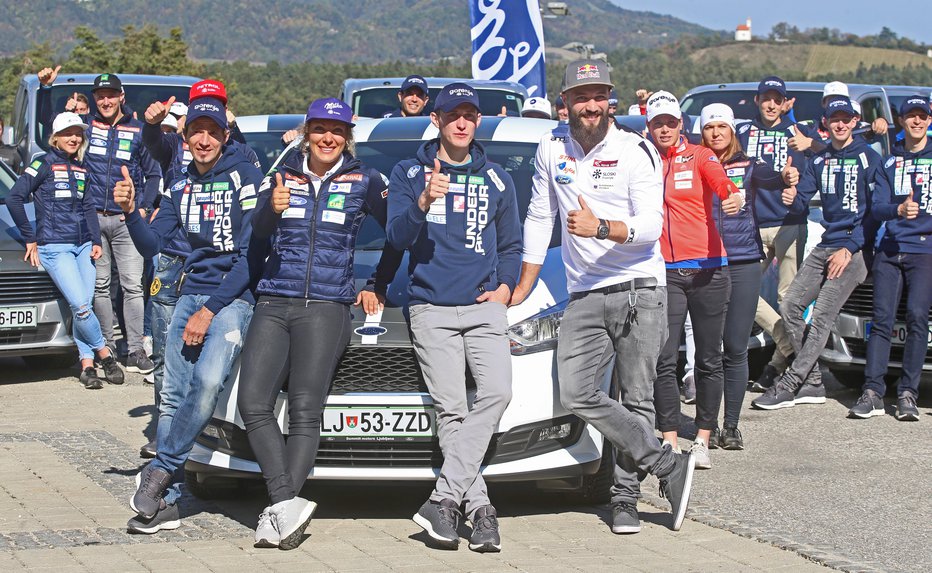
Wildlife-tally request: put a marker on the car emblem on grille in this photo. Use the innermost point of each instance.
(371, 330)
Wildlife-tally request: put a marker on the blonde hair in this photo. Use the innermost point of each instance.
(306, 142)
(734, 147)
(53, 142)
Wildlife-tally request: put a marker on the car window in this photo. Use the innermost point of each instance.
(267, 145)
(376, 102)
(808, 104)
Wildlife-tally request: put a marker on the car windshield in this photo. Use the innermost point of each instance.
(267, 145)
(808, 104)
(138, 98)
(376, 102)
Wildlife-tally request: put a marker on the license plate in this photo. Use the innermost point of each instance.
(403, 423)
(898, 336)
(19, 316)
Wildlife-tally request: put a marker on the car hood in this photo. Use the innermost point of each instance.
(390, 328)
(12, 245)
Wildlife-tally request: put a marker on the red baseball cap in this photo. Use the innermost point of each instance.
(208, 88)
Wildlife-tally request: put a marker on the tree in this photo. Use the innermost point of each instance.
(91, 54)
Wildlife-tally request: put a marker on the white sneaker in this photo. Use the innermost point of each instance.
(266, 534)
(291, 518)
(701, 452)
(147, 345)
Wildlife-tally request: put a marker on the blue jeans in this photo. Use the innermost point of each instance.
(72, 271)
(163, 296)
(194, 378)
(890, 273)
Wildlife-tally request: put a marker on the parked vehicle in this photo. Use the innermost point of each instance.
(373, 97)
(28, 134)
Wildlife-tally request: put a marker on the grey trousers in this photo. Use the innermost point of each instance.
(447, 339)
(600, 328)
(811, 285)
(117, 248)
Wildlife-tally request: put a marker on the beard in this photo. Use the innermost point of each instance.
(586, 135)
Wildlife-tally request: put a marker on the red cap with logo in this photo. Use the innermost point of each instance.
(208, 88)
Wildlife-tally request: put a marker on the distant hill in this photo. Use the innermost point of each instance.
(808, 61)
(345, 31)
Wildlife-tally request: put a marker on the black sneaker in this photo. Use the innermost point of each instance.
(677, 485)
(766, 380)
(906, 410)
(625, 518)
(148, 451)
(89, 378)
(731, 439)
(440, 521)
(715, 439)
(776, 397)
(868, 405)
(810, 394)
(485, 537)
(112, 371)
(165, 518)
(137, 361)
(150, 485)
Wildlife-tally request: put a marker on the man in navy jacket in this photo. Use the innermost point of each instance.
(903, 199)
(457, 214)
(213, 206)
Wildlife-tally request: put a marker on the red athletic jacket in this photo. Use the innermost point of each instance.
(691, 174)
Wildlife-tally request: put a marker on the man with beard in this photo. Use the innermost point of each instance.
(606, 181)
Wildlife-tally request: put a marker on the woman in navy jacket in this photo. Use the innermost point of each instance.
(67, 238)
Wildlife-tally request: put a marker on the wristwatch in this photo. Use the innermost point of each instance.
(602, 232)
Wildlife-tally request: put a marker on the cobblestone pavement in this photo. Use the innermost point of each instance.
(812, 490)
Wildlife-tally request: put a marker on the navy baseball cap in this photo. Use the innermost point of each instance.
(455, 95)
(915, 102)
(107, 82)
(330, 108)
(613, 98)
(772, 83)
(839, 104)
(209, 107)
(414, 81)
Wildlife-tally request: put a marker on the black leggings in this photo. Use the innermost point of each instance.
(302, 341)
(739, 320)
(704, 296)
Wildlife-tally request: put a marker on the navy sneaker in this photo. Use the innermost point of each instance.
(440, 521)
(776, 397)
(810, 394)
(906, 409)
(867, 406)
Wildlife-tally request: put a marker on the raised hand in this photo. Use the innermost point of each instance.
(790, 174)
(124, 192)
(437, 187)
(732, 205)
(47, 76)
(908, 209)
(158, 111)
(281, 195)
(788, 195)
(582, 222)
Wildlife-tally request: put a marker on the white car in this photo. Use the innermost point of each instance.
(379, 423)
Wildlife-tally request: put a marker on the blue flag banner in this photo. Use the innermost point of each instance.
(508, 43)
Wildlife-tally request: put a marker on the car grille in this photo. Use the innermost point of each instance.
(43, 333)
(380, 454)
(374, 369)
(21, 287)
(861, 303)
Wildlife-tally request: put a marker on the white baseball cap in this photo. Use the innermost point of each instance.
(663, 103)
(65, 120)
(170, 121)
(717, 112)
(536, 105)
(178, 109)
(856, 106)
(832, 89)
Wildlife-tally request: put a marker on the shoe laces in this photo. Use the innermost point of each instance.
(266, 518)
(909, 400)
(488, 522)
(866, 398)
(449, 515)
(150, 484)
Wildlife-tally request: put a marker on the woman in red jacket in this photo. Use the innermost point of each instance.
(697, 270)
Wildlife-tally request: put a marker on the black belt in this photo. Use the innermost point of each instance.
(633, 284)
(688, 272)
(109, 213)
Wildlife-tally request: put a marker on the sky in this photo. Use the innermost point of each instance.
(726, 14)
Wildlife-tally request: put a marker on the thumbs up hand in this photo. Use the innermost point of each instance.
(582, 222)
(158, 111)
(47, 75)
(124, 192)
(788, 196)
(281, 195)
(437, 187)
(908, 209)
(790, 174)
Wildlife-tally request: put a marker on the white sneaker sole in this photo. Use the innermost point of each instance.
(425, 524)
(168, 525)
(138, 483)
(293, 538)
(810, 400)
(871, 414)
(139, 370)
(620, 529)
(779, 406)
(687, 490)
(485, 547)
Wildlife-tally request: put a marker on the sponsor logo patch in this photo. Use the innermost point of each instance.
(412, 171)
(600, 163)
(349, 177)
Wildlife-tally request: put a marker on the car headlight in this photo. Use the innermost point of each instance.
(537, 333)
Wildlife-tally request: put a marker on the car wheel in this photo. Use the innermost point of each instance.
(211, 487)
(51, 361)
(596, 488)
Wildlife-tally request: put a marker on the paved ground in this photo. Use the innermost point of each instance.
(812, 489)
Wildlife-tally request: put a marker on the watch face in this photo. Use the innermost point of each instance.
(602, 232)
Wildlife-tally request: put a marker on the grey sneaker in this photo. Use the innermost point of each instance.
(810, 394)
(906, 410)
(112, 371)
(731, 439)
(150, 485)
(625, 518)
(266, 533)
(701, 452)
(165, 518)
(766, 380)
(485, 537)
(689, 389)
(776, 397)
(440, 521)
(148, 451)
(868, 405)
(89, 378)
(291, 518)
(137, 361)
(677, 485)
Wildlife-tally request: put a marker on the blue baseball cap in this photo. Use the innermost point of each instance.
(330, 108)
(209, 107)
(613, 98)
(455, 95)
(915, 102)
(414, 81)
(772, 83)
(840, 104)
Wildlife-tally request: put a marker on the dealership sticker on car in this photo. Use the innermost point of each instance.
(406, 423)
(19, 316)
(898, 336)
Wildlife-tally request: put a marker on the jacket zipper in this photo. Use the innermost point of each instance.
(669, 229)
(313, 234)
